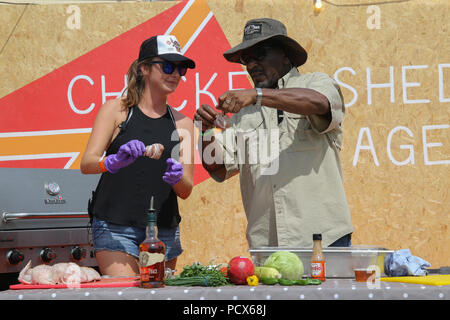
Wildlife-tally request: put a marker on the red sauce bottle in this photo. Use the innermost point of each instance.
(317, 259)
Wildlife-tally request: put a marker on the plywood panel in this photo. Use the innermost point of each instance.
(42, 40)
(392, 205)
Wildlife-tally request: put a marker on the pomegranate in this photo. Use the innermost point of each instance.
(239, 268)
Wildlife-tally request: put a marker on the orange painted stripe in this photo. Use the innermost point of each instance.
(63, 143)
(190, 22)
(43, 144)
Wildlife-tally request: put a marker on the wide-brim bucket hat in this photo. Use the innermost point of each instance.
(259, 30)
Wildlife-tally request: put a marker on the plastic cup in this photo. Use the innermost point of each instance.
(362, 275)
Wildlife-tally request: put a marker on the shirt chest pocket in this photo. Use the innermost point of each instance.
(299, 135)
(249, 120)
(248, 126)
(248, 131)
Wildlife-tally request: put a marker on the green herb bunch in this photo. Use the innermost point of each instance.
(199, 275)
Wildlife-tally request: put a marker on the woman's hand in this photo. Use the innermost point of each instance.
(174, 172)
(127, 154)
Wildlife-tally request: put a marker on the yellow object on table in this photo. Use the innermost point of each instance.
(433, 280)
(252, 280)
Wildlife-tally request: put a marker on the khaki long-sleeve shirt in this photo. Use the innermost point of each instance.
(290, 173)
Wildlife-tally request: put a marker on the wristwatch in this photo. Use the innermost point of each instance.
(258, 97)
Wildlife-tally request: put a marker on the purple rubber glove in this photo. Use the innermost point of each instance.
(127, 154)
(173, 173)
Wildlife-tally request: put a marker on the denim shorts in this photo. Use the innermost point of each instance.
(114, 237)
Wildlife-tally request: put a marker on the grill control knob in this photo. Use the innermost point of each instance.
(78, 253)
(47, 255)
(14, 256)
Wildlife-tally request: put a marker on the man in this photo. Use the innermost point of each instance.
(299, 191)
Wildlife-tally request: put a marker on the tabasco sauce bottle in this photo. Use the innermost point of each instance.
(151, 254)
(317, 259)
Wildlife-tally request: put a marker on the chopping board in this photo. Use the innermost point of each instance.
(103, 283)
(433, 280)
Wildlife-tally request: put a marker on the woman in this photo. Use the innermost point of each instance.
(131, 174)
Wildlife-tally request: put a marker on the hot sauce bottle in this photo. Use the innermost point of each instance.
(317, 259)
(151, 254)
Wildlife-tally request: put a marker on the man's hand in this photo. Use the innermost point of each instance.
(205, 116)
(234, 100)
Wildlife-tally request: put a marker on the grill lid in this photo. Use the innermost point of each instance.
(44, 198)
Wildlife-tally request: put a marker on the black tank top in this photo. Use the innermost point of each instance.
(124, 197)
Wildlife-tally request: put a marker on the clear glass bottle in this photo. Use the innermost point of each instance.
(318, 262)
(152, 254)
(222, 121)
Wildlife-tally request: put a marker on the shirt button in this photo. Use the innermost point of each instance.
(274, 186)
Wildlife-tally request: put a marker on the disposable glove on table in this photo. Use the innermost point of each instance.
(403, 263)
(127, 154)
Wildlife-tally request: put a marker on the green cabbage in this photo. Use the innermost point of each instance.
(287, 263)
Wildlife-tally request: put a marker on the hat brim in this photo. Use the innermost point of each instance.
(173, 57)
(296, 53)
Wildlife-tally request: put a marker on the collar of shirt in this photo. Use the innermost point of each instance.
(281, 84)
(284, 79)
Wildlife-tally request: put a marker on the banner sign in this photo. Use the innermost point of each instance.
(46, 124)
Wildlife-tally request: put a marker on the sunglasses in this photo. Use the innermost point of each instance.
(169, 67)
(258, 54)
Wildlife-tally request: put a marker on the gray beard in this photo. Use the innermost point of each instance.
(265, 84)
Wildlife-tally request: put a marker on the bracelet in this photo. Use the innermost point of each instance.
(101, 165)
(259, 95)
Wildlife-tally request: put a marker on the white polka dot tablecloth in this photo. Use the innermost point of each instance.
(332, 289)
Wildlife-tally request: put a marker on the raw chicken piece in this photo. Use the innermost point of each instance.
(60, 273)
(25, 274)
(66, 273)
(41, 274)
(89, 274)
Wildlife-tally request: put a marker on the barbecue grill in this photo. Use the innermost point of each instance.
(43, 217)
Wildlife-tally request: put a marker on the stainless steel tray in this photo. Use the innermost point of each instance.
(340, 261)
